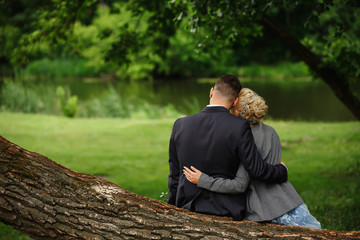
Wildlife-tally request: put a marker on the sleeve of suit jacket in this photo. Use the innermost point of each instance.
(223, 185)
(254, 163)
(173, 180)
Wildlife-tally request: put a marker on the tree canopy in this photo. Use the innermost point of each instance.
(142, 38)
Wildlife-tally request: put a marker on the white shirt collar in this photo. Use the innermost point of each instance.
(215, 105)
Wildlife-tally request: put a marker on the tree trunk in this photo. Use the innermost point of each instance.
(338, 85)
(48, 201)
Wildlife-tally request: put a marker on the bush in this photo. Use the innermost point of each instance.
(112, 104)
(71, 107)
(57, 68)
(17, 96)
(281, 70)
(66, 103)
(109, 105)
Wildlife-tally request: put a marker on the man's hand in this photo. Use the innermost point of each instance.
(192, 175)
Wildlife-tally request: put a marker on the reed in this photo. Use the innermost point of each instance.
(28, 97)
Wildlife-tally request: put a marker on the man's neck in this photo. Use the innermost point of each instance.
(219, 103)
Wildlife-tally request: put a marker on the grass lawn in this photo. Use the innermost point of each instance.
(323, 158)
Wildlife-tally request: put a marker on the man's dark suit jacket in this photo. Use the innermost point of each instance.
(215, 142)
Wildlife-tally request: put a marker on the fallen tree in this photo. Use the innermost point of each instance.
(48, 201)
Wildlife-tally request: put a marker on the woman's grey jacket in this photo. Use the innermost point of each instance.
(264, 201)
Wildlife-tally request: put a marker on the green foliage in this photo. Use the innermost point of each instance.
(115, 42)
(66, 103)
(49, 26)
(281, 70)
(71, 107)
(17, 96)
(335, 37)
(113, 104)
(61, 97)
(9, 35)
(140, 39)
(9, 233)
(56, 68)
(133, 47)
(184, 58)
(192, 104)
(219, 18)
(147, 39)
(110, 104)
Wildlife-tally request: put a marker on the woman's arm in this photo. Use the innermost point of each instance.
(218, 184)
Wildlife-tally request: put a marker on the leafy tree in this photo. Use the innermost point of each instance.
(32, 29)
(322, 33)
(330, 48)
(113, 41)
(129, 45)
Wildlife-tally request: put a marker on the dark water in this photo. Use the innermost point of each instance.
(287, 100)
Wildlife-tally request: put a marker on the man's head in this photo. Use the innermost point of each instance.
(226, 90)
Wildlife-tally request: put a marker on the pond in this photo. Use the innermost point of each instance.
(292, 99)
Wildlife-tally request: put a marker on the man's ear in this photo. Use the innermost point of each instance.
(235, 101)
(211, 92)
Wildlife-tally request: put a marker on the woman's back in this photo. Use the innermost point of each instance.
(269, 201)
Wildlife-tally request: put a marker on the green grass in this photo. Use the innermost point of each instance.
(323, 158)
(284, 70)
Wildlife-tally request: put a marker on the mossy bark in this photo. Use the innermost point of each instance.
(48, 201)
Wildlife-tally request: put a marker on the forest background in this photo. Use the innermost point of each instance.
(149, 62)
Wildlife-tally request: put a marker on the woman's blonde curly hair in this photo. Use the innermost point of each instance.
(250, 106)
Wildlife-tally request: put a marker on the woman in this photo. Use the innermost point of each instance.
(277, 203)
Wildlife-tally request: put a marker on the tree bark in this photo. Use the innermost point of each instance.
(339, 86)
(48, 201)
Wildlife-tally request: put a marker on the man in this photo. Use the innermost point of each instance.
(216, 142)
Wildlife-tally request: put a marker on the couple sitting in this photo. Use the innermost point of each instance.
(229, 149)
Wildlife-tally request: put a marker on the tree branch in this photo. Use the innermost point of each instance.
(329, 75)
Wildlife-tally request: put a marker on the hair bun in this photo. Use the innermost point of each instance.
(251, 106)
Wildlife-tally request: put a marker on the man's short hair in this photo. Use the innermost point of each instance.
(229, 86)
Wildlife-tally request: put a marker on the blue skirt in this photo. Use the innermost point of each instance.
(299, 216)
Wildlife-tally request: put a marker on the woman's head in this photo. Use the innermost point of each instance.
(250, 106)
